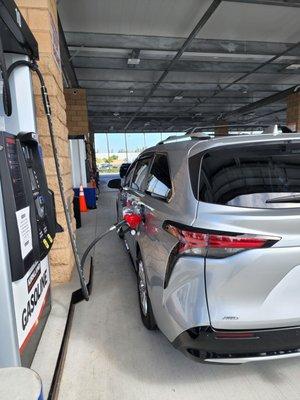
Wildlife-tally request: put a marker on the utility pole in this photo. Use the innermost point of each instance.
(126, 148)
(107, 144)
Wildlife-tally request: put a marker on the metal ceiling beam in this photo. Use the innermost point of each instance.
(214, 5)
(218, 108)
(190, 86)
(98, 63)
(182, 77)
(220, 47)
(259, 67)
(263, 102)
(281, 110)
(149, 110)
(66, 63)
(161, 106)
(209, 12)
(156, 113)
(140, 117)
(242, 77)
(105, 128)
(282, 3)
(163, 93)
(81, 40)
(165, 101)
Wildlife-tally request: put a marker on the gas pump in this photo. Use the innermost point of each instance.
(27, 210)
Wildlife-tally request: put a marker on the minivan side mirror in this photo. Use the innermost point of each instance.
(114, 183)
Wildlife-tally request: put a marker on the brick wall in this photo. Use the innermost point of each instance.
(77, 115)
(41, 16)
(293, 111)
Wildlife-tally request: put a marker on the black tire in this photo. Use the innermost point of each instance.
(146, 311)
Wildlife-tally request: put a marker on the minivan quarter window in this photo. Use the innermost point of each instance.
(159, 181)
(251, 177)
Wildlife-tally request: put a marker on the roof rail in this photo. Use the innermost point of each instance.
(196, 132)
(186, 136)
(199, 129)
(277, 129)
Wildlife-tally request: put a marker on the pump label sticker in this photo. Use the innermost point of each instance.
(30, 300)
(24, 227)
(33, 277)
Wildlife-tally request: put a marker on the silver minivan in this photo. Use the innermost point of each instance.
(217, 246)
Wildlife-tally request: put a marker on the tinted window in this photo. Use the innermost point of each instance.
(129, 175)
(251, 176)
(140, 173)
(159, 181)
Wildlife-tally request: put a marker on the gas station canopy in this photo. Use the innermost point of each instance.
(172, 64)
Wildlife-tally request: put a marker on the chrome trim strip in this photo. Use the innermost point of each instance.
(243, 360)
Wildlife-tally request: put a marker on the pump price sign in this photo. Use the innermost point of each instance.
(30, 298)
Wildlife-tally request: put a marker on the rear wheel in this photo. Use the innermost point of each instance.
(144, 300)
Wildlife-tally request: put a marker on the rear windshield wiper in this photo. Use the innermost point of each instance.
(295, 198)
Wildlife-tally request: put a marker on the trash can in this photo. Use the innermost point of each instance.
(90, 197)
(20, 384)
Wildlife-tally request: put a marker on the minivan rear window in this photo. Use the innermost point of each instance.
(260, 176)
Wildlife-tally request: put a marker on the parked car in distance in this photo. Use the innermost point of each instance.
(105, 166)
(217, 248)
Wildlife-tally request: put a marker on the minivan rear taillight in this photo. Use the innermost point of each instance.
(215, 245)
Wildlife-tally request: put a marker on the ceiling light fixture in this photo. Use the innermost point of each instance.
(133, 61)
(293, 66)
(134, 58)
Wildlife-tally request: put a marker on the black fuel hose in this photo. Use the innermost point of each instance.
(7, 104)
(98, 238)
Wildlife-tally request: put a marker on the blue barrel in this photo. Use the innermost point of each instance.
(20, 384)
(90, 197)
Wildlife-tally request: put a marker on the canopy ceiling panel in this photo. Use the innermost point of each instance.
(171, 64)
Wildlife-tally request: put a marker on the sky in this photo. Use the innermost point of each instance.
(135, 141)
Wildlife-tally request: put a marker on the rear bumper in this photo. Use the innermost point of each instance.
(205, 344)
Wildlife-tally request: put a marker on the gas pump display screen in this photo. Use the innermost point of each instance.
(15, 172)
